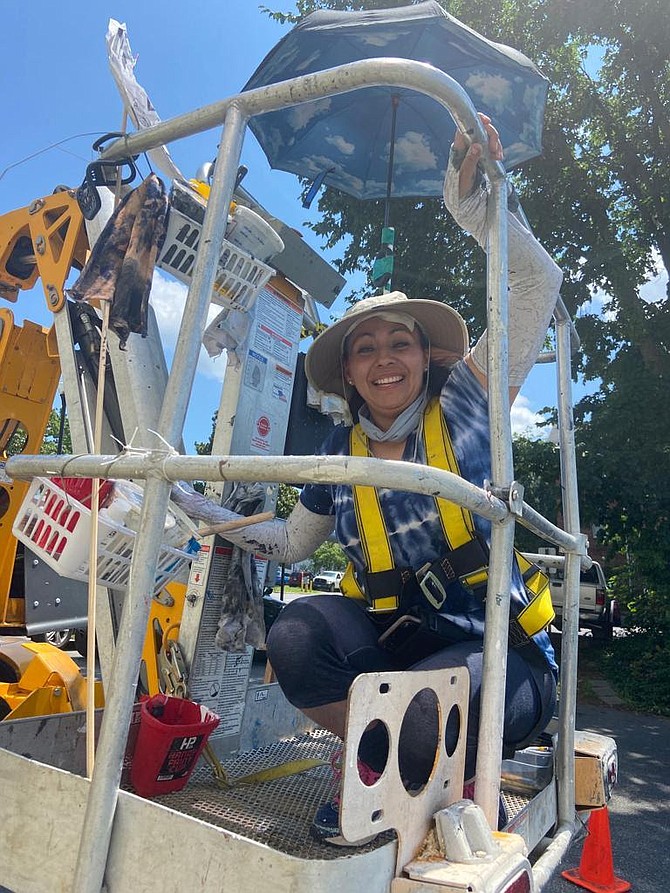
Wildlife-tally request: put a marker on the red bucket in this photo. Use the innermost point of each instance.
(171, 737)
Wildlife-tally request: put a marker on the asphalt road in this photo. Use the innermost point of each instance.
(639, 811)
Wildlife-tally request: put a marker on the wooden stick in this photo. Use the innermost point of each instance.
(236, 524)
(93, 552)
(95, 505)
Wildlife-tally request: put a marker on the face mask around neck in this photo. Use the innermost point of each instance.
(402, 427)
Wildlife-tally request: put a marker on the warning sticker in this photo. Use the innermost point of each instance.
(260, 439)
(255, 370)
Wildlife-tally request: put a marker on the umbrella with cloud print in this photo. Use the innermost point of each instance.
(384, 141)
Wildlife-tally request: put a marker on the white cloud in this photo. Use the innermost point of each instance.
(525, 420)
(168, 299)
(597, 306)
(412, 151)
(317, 164)
(305, 64)
(429, 187)
(379, 39)
(345, 147)
(301, 115)
(493, 89)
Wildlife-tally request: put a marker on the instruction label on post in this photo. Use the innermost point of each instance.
(219, 680)
(269, 373)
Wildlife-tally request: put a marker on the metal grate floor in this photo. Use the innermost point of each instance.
(514, 802)
(278, 813)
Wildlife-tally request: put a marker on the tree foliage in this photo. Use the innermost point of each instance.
(286, 500)
(56, 437)
(536, 465)
(328, 557)
(598, 198)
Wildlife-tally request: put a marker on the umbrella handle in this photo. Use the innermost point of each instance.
(382, 268)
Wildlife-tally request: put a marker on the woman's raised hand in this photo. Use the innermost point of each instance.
(473, 153)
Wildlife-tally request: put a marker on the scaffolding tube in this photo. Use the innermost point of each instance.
(160, 467)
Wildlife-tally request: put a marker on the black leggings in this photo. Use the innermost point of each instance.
(319, 644)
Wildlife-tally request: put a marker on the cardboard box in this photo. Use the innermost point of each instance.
(596, 769)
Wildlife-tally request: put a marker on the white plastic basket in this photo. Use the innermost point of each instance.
(57, 528)
(239, 277)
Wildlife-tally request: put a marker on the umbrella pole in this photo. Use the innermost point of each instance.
(395, 102)
(382, 269)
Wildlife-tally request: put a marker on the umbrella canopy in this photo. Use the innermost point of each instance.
(352, 141)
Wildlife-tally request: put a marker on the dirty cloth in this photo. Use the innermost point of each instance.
(122, 261)
(241, 622)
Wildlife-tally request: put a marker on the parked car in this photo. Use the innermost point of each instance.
(598, 609)
(327, 581)
(299, 578)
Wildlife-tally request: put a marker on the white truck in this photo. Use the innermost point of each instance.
(598, 609)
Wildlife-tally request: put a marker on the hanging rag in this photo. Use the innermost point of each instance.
(241, 622)
(228, 331)
(122, 261)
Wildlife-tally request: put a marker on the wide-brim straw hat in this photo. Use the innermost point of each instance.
(443, 326)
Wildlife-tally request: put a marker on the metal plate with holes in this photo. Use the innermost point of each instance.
(438, 698)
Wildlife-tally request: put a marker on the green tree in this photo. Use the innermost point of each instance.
(598, 199)
(329, 557)
(286, 499)
(603, 172)
(536, 466)
(53, 441)
(55, 437)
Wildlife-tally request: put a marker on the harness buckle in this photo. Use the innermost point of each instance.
(433, 589)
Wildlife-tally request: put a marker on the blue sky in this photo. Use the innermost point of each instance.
(55, 85)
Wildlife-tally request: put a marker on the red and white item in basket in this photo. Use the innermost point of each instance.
(81, 489)
(57, 528)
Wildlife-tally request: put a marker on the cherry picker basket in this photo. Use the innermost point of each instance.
(57, 528)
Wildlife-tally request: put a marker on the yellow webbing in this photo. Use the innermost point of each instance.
(539, 612)
(374, 541)
(372, 532)
(457, 526)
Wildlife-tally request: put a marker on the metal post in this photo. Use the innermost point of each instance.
(403, 73)
(103, 794)
(565, 762)
(489, 751)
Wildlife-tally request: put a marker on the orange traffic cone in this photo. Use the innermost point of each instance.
(596, 871)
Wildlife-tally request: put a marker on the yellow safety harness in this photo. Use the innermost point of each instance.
(466, 555)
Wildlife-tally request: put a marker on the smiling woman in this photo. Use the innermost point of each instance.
(418, 565)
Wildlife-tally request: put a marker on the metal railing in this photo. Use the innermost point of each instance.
(160, 467)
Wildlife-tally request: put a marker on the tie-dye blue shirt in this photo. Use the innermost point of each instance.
(411, 519)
